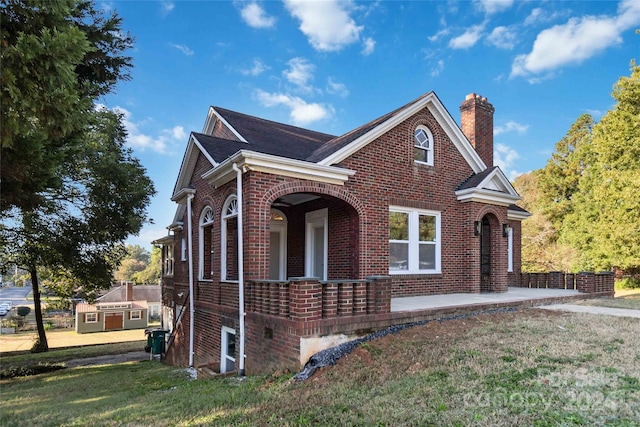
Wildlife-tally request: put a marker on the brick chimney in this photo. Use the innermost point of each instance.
(476, 120)
(129, 296)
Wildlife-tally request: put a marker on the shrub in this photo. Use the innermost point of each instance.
(627, 283)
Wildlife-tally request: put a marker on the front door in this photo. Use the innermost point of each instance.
(316, 244)
(485, 256)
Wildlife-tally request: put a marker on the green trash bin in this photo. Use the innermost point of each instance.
(149, 345)
(157, 341)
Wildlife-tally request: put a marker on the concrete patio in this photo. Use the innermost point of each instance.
(513, 295)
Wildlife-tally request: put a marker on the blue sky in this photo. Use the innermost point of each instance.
(333, 66)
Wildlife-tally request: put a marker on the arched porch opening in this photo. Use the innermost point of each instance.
(321, 236)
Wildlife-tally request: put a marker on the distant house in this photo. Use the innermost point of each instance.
(292, 238)
(125, 307)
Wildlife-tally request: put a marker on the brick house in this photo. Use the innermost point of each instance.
(330, 228)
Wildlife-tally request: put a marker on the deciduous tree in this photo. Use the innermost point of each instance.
(72, 192)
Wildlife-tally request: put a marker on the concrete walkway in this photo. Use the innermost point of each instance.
(451, 300)
(592, 309)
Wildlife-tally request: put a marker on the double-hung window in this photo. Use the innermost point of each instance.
(229, 240)
(414, 241)
(206, 245)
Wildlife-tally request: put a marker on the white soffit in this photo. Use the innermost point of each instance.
(250, 160)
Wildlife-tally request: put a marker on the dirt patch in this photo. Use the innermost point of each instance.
(134, 356)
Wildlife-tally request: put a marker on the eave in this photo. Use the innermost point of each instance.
(491, 197)
(180, 196)
(275, 165)
(517, 215)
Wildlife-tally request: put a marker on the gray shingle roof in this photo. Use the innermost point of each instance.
(268, 137)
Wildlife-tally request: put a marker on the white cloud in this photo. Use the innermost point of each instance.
(576, 41)
(494, 6)
(505, 157)
(440, 34)
(255, 16)
(327, 24)
(510, 126)
(257, 68)
(301, 112)
(182, 48)
(369, 46)
(300, 72)
(336, 88)
(167, 7)
(502, 37)
(143, 142)
(468, 38)
(437, 69)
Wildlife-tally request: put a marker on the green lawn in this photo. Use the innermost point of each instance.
(630, 301)
(530, 368)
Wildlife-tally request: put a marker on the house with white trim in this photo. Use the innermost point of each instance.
(286, 240)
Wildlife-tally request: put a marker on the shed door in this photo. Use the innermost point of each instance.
(113, 321)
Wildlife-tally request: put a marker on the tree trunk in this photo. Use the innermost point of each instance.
(41, 345)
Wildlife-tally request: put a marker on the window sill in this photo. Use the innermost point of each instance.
(414, 273)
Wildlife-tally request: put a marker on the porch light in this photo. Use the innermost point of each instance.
(505, 230)
(477, 228)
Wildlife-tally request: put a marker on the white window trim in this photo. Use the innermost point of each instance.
(137, 312)
(430, 150)
(510, 250)
(94, 315)
(183, 250)
(281, 228)
(414, 244)
(223, 348)
(223, 234)
(202, 225)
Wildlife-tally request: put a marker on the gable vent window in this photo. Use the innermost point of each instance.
(423, 146)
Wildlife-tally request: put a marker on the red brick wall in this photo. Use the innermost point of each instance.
(359, 238)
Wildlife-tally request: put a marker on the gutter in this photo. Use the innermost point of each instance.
(240, 269)
(191, 303)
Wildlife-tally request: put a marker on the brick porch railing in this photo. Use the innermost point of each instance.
(308, 299)
(586, 282)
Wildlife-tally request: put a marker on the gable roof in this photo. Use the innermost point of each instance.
(340, 148)
(489, 186)
(269, 137)
(292, 151)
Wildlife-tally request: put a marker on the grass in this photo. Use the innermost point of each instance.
(629, 301)
(530, 368)
(22, 359)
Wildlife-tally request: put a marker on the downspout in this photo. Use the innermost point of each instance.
(240, 268)
(191, 304)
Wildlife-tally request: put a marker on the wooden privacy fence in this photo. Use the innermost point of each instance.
(309, 299)
(587, 282)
